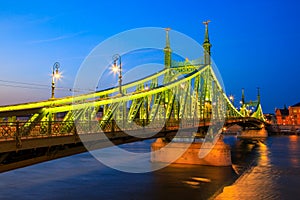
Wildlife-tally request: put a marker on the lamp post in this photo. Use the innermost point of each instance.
(55, 75)
(118, 68)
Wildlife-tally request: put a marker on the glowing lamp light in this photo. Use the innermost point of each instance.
(118, 68)
(57, 75)
(115, 69)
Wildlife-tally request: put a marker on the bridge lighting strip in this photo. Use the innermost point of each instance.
(71, 99)
(127, 97)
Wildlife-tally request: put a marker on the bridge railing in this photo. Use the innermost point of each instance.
(13, 130)
(7, 130)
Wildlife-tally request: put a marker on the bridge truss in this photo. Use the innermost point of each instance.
(189, 92)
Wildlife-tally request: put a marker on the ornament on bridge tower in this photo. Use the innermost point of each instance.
(258, 95)
(243, 96)
(206, 45)
(167, 50)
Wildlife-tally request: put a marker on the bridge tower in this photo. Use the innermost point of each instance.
(167, 50)
(206, 44)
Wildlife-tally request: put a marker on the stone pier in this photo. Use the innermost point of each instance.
(219, 155)
(252, 133)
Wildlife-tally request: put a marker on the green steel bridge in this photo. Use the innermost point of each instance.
(184, 95)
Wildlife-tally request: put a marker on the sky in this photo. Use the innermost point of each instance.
(254, 43)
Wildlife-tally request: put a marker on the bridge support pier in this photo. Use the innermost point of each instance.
(219, 155)
(253, 133)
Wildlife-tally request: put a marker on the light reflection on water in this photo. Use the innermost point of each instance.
(275, 175)
(294, 147)
(272, 172)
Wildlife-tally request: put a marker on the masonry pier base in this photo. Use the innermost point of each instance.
(184, 153)
(253, 134)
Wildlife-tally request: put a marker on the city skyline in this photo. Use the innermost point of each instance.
(253, 44)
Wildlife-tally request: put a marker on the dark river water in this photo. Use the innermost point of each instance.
(266, 170)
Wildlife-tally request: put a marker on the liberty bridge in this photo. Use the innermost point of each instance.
(184, 95)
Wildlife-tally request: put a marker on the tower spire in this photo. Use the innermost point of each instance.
(206, 44)
(167, 50)
(258, 95)
(243, 96)
(206, 37)
(167, 38)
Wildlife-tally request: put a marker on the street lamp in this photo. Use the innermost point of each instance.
(118, 68)
(55, 76)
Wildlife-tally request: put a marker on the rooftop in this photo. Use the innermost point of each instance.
(283, 112)
(296, 105)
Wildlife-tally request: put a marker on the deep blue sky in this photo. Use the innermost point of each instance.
(255, 43)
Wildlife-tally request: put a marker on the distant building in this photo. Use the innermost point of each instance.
(282, 115)
(288, 116)
(294, 114)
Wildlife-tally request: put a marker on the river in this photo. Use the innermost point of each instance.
(267, 170)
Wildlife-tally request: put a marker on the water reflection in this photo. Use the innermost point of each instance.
(257, 181)
(294, 149)
(263, 154)
(179, 181)
(270, 170)
(274, 174)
